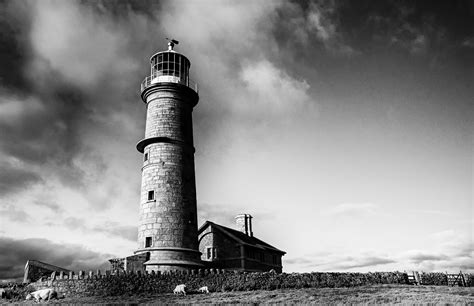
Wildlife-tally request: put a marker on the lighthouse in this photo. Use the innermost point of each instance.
(167, 231)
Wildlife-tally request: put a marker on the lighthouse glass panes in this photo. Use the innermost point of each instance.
(170, 64)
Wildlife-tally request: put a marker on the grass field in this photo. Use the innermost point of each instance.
(381, 294)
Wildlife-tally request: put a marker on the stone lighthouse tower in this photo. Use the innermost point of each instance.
(167, 229)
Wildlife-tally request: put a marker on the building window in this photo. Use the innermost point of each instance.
(147, 242)
(211, 253)
(262, 257)
(151, 195)
(145, 158)
(274, 259)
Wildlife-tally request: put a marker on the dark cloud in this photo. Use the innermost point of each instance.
(45, 128)
(14, 178)
(420, 257)
(15, 253)
(348, 27)
(15, 49)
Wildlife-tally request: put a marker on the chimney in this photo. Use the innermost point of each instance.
(244, 224)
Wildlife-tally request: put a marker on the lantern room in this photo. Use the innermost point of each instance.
(170, 66)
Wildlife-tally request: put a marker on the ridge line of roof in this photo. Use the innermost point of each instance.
(229, 231)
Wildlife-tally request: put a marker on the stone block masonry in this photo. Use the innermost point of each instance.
(167, 228)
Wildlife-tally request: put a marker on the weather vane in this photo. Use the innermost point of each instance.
(171, 43)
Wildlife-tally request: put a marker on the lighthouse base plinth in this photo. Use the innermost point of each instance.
(171, 259)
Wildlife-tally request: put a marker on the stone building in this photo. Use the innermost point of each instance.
(225, 248)
(35, 269)
(167, 231)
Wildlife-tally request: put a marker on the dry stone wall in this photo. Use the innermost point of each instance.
(96, 284)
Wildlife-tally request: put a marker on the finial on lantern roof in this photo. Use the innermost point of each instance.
(171, 43)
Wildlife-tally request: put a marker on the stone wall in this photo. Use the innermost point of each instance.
(91, 284)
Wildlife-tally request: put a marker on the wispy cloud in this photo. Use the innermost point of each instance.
(372, 262)
(273, 90)
(317, 21)
(13, 214)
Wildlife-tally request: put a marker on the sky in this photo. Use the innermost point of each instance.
(345, 128)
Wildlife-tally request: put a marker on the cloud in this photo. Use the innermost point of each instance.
(468, 42)
(13, 214)
(49, 203)
(109, 228)
(363, 262)
(115, 229)
(15, 253)
(272, 89)
(85, 48)
(219, 214)
(52, 122)
(299, 261)
(15, 178)
(452, 250)
(14, 44)
(419, 257)
(353, 209)
(447, 260)
(330, 261)
(314, 25)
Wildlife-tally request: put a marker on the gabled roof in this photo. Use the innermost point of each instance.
(240, 237)
(43, 265)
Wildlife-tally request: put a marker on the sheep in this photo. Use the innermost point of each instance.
(42, 294)
(180, 289)
(204, 289)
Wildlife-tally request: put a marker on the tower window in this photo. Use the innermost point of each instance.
(145, 157)
(151, 195)
(147, 242)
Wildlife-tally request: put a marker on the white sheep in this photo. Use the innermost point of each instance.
(42, 294)
(204, 289)
(180, 289)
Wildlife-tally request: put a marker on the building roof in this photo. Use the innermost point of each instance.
(43, 265)
(240, 237)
